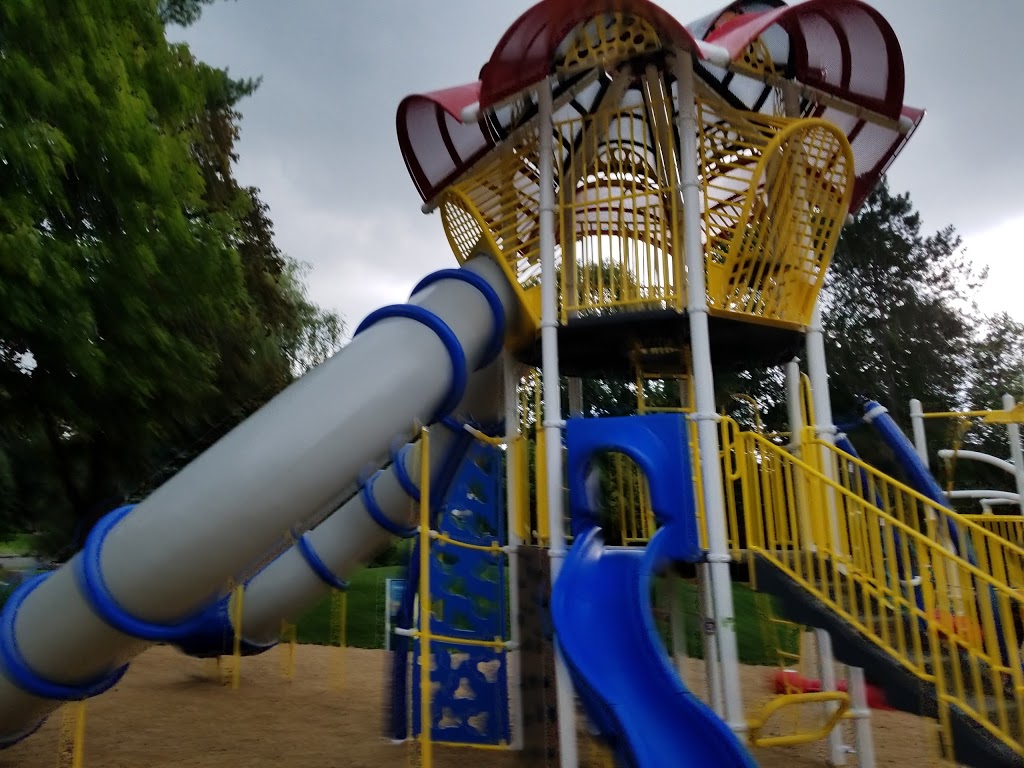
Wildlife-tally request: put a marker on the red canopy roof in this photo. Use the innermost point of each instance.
(524, 54)
(842, 47)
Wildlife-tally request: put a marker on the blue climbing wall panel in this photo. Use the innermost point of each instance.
(468, 586)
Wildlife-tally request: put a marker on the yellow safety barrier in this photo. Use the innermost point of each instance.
(1009, 527)
(776, 194)
(621, 210)
(71, 740)
(880, 564)
(758, 721)
(632, 501)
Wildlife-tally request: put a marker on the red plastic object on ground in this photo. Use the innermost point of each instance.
(787, 679)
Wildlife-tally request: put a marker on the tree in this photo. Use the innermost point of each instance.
(181, 12)
(897, 310)
(147, 309)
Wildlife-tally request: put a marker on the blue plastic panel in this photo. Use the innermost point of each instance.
(659, 445)
(470, 703)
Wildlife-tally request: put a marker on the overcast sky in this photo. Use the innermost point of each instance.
(318, 137)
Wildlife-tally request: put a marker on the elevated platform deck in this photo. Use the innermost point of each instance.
(605, 346)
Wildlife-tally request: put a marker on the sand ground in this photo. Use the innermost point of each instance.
(169, 712)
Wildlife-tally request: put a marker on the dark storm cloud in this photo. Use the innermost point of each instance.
(319, 138)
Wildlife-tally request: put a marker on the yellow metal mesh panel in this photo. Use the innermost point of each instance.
(1008, 527)
(883, 563)
(776, 194)
(502, 198)
(620, 210)
(607, 39)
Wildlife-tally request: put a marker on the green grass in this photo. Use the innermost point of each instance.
(20, 544)
(757, 639)
(365, 620)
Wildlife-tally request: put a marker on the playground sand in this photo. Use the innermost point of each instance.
(169, 713)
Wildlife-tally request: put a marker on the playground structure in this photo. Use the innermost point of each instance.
(1009, 525)
(630, 199)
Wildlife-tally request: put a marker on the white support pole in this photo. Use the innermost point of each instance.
(796, 425)
(793, 409)
(677, 616)
(984, 458)
(824, 428)
(1016, 454)
(981, 493)
(704, 391)
(827, 674)
(709, 638)
(512, 504)
(861, 714)
(553, 407)
(920, 439)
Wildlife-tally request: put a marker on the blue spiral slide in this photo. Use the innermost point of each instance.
(601, 609)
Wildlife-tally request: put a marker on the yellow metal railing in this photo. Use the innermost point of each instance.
(621, 209)
(632, 501)
(631, 491)
(776, 194)
(496, 209)
(881, 565)
(1008, 527)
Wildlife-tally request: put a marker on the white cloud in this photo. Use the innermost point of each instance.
(1001, 248)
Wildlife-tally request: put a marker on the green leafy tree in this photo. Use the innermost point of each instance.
(147, 308)
(898, 310)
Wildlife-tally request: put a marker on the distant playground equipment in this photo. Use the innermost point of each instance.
(1009, 522)
(629, 200)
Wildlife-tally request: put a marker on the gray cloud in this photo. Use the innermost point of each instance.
(319, 138)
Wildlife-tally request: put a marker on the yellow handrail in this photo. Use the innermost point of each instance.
(1007, 527)
(884, 570)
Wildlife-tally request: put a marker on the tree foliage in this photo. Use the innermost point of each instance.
(146, 306)
(899, 314)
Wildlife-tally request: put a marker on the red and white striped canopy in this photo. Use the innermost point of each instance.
(842, 48)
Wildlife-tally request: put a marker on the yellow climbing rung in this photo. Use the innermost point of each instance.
(758, 721)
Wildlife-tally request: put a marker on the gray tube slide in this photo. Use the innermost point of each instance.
(150, 574)
(334, 549)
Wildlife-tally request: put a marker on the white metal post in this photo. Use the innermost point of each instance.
(824, 428)
(512, 504)
(796, 425)
(861, 714)
(920, 439)
(704, 395)
(553, 407)
(709, 639)
(1016, 455)
(827, 674)
(677, 616)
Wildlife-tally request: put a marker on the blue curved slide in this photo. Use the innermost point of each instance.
(605, 628)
